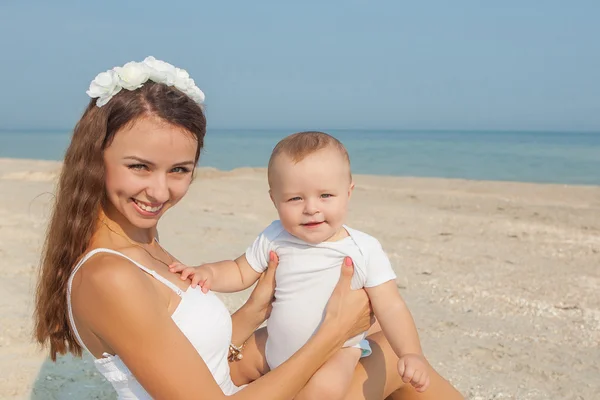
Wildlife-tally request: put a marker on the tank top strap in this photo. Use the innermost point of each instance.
(149, 271)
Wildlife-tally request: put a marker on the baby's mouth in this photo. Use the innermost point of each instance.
(311, 224)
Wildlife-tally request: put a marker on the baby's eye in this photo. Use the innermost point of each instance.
(138, 167)
(295, 198)
(326, 195)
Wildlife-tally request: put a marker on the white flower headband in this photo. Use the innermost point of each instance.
(133, 75)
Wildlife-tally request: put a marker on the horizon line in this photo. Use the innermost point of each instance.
(465, 130)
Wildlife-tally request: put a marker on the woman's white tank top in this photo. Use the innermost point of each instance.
(203, 319)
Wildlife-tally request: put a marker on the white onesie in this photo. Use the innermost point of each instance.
(306, 276)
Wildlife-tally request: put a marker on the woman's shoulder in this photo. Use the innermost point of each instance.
(110, 270)
(111, 298)
(112, 284)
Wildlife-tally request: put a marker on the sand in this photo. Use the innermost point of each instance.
(503, 278)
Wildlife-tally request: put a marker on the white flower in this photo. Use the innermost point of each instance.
(132, 75)
(187, 85)
(104, 87)
(182, 80)
(160, 71)
(196, 94)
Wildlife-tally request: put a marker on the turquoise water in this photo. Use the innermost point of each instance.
(551, 157)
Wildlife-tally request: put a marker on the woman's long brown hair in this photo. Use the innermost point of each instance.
(81, 192)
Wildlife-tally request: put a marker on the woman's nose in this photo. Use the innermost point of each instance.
(158, 189)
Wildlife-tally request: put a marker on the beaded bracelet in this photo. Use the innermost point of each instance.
(235, 353)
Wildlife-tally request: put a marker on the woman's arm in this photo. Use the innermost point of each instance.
(126, 312)
(257, 308)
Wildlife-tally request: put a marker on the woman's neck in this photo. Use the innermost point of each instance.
(119, 225)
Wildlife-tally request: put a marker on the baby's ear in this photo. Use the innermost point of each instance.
(350, 189)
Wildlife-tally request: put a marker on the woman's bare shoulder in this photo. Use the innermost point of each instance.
(108, 271)
(110, 287)
(108, 281)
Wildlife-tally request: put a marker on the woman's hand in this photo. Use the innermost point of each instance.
(261, 299)
(348, 311)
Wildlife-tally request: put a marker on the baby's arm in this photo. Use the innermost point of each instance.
(399, 328)
(395, 318)
(232, 275)
(226, 276)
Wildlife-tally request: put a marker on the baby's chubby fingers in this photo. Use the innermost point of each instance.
(408, 374)
(177, 267)
(205, 287)
(185, 273)
(406, 371)
(414, 370)
(201, 281)
(422, 385)
(416, 376)
(197, 280)
(416, 379)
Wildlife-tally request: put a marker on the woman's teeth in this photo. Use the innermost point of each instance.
(148, 208)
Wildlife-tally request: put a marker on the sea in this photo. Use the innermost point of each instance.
(522, 156)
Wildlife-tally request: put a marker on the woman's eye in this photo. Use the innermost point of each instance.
(138, 167)
(180, 170)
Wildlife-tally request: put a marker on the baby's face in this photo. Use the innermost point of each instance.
(312, 196)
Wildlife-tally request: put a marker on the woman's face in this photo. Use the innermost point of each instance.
(149, 167)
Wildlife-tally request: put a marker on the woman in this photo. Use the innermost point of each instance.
(105, 286)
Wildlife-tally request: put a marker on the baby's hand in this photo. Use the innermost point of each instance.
(413, 368)
(201, 275)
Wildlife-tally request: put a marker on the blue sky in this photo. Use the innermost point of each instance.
(532, 65)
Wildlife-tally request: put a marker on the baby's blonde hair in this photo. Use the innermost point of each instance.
(300, 145)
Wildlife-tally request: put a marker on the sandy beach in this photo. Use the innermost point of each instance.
(503, 278)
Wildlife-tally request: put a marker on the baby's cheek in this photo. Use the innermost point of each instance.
(287, 217)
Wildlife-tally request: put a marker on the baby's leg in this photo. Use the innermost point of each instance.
(332, 380)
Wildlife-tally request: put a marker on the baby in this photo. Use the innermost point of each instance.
(310, 185)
